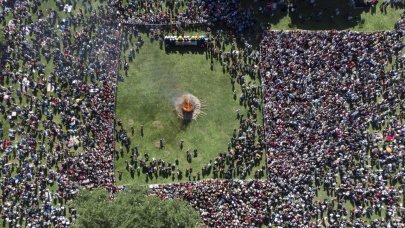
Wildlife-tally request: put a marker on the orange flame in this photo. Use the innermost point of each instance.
(187, 106)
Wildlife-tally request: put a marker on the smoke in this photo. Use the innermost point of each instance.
(179, 98)
(194, 102)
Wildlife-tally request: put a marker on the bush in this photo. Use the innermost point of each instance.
(131, 208)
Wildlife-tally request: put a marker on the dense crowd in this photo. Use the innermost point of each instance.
(187, 13)
(58, 98)
(334, 117)
(400, 25)
(226, 203)
(334, 126)
(60, 121)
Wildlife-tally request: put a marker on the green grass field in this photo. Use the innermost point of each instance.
(146, 97)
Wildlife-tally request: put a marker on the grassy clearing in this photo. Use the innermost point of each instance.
(146, 97)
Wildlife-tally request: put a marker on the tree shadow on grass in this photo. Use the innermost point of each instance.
(319, 15)
(265, 12)
(327, 15)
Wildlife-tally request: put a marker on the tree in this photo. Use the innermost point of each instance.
(132, 208)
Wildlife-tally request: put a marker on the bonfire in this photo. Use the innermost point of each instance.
(188, 107)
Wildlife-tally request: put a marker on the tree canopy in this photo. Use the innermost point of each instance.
(132, 208)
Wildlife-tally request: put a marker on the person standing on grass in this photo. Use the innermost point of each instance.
(181, 144)
(161, 143)
(142, 130)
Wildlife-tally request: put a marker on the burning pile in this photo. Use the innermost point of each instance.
(188, 107)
